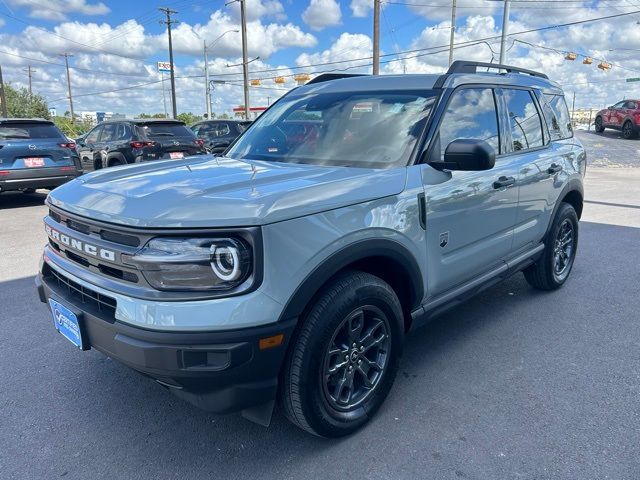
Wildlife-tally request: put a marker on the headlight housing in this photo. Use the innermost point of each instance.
(195, 264)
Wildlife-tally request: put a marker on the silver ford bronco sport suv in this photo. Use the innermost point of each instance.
(355, 209)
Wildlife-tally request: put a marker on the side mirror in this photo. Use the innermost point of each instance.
(610, 107)
(467, 155)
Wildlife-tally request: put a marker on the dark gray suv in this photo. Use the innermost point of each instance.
(121, 142)
(35, 154)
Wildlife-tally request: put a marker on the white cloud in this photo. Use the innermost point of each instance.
(348, 48)
(360, 8)
(263, 39)
(322, 13)
(257, 9)
(465, 8)
(57, 10)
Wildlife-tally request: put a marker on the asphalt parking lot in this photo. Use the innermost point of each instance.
(514, 384)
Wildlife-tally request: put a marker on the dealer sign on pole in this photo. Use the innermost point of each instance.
(164, 67)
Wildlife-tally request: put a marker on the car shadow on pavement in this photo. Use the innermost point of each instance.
(465, 380)
(20, 200)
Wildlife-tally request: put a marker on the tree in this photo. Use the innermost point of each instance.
(22, 104)
(189, 118)
(75, 129)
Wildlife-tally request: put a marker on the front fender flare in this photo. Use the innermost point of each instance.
(346, 256)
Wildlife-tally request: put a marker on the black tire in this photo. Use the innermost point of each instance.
(29, 190)
(306, 393)
(598, 125)
(551, 271)
(628, 132)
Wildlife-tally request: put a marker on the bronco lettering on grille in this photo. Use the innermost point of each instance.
(79, 245)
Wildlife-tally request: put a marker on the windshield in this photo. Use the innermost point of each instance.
(172, 129)
(355, 129)
(29, 131)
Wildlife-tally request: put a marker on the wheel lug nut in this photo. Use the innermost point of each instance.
(359, 362)
(354, 345)
(362, 348)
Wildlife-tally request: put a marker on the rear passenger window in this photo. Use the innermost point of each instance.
(524, 120)
(557, 116)
(471, 114)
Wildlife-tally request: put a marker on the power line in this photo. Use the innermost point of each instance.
(91, 70)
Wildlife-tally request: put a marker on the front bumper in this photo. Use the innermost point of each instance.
(22, 179)
(220, 371)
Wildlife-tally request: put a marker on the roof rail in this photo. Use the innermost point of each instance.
(463, 66)
(325, 77)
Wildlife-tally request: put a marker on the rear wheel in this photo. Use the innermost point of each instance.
(628, 132)
(554, 266)
(344, 359)
(598, 125)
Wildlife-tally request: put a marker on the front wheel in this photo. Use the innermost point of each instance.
(554, 266)
(344, 359)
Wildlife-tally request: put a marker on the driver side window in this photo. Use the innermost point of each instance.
(93, 135)
(471, 114)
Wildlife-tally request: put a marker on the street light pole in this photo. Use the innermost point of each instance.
(245, 66)
(505, 28)
(207, 86)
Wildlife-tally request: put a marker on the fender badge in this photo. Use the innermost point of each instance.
(444, 239)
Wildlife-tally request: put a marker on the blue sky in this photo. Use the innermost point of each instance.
(116, 43)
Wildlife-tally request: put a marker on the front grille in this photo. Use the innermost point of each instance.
(121, 238)
(86, 296)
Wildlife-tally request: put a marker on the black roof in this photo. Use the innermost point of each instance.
(26, 120)
(143, 120)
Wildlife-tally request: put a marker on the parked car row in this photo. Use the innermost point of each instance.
(34, 153)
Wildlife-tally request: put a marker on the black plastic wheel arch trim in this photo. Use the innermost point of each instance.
(354, 252)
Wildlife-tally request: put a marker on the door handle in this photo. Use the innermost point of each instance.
(554, 168)
(504, 182)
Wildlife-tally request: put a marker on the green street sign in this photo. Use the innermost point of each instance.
(634, 79)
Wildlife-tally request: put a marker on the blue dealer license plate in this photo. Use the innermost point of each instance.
(66, 322)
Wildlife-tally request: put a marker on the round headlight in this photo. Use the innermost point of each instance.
(225, 262)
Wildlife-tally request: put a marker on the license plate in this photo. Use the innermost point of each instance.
(66, 322)
(31, 162)
(176, 154)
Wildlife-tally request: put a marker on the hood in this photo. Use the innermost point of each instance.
(209, 191)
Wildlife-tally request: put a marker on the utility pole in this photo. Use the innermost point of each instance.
(66, 62)
(245, 66)
(29, 71)
(3, 97)
(376, 37)
(505, 28)
(453, 31)
(207, 88)
(168, 22)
